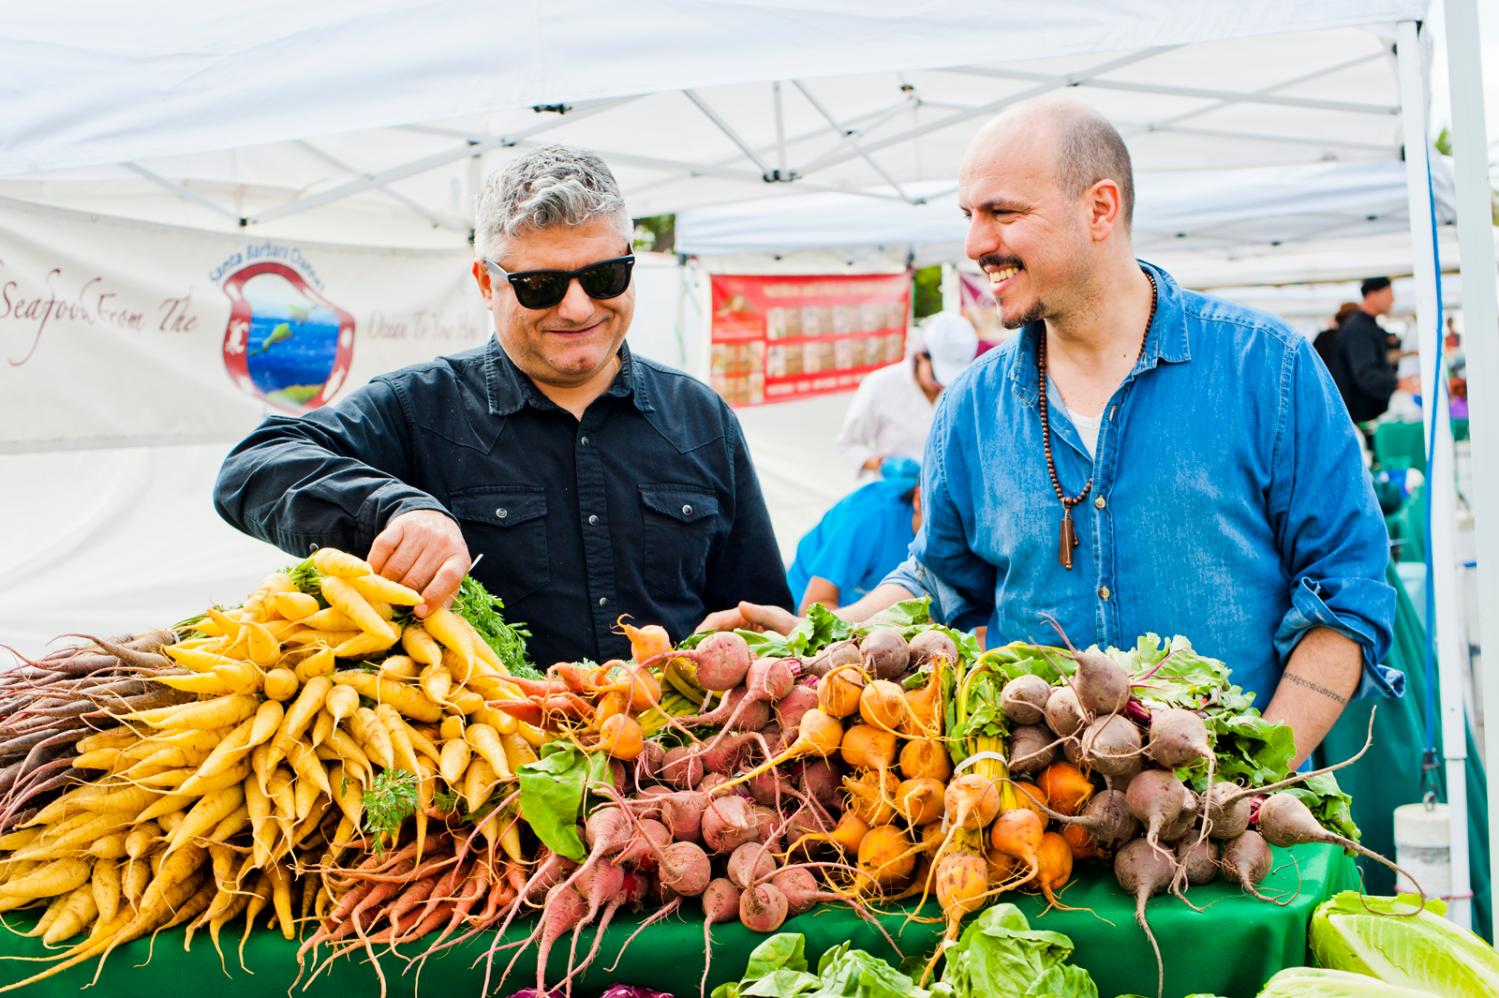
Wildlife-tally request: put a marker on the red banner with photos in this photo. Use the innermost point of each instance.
(781, 338)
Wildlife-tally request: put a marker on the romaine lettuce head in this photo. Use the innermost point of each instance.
(1317, 982)
(1379, 937)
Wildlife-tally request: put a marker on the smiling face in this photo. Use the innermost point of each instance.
(574, 343)
(1033, 238)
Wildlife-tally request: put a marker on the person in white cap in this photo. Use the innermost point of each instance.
(891, 413)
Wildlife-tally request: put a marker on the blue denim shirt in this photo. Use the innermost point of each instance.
(1229, 501)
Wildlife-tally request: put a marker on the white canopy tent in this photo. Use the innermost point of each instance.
(371, 123)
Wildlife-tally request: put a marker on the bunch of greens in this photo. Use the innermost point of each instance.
(479, 607)
(998, 956)
(821, 627)
(553, 792)
(390, 800)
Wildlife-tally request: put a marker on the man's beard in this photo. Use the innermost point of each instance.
(1035, 313)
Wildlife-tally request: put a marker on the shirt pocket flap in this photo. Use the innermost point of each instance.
(500, 507)
(680, 503)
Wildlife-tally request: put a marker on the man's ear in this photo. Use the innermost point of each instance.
(481, 275)
(1105, 204)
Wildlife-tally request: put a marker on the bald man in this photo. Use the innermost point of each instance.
(1141, 458)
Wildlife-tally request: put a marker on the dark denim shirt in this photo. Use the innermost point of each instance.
(648, 506)
(1229, 501)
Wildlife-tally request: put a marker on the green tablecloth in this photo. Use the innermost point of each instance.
(1230, 948)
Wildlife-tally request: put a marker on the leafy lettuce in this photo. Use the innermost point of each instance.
(1381, 938)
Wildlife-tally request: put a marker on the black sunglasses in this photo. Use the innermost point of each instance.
(545, 288)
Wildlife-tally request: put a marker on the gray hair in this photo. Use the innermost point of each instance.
(1091, 149)
(547, 187)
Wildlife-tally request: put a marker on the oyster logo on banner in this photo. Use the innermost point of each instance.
(285, 342)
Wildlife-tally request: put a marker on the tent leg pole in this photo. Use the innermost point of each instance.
(1441, 477)
(1475, 235)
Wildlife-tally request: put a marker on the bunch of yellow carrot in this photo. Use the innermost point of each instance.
(320, 724)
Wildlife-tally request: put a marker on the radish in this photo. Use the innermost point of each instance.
(722, 660)
(885, 653)
(683, 766)
(1226, 811)
(1102, 684)
(1032, 749)
(685, 868)
(1144, 870)
(1156, 797)
(1285, 821)
(1177, 738)
(1064, 714)
(1106, 815)
(748, 864)
(1111, 746)
(1199, 859)
(727, 823)
(1024, 699)
(820, 780)
(563, 910)
(932, 644)
(720, 904)
(1246, 861)
(763, 908)
(790, 708)
(834, 655)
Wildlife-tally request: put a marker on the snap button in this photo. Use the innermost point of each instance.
(687, 510)
(603, 601)
(1100, 502)
(593, 520)
(502, 512)
(1103, 593)
(583, 441)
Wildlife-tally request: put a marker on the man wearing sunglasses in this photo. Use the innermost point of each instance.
(594, 483)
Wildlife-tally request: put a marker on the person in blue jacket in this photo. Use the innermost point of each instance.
(860, 540)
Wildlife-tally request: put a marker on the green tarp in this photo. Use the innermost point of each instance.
(1390, 775)
(1229, 948)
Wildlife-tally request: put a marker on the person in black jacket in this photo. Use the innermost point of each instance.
(595, 482)
(1363, 372)
(1326, 343)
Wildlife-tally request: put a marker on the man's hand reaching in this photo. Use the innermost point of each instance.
(751, 616)
(425, 550)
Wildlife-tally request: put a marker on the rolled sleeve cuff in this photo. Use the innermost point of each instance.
(948, 607)
(385, 504)
(1358, 609)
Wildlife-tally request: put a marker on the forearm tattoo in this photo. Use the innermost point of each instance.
(1315, 688)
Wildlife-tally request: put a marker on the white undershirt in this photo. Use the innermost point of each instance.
(1087, 426)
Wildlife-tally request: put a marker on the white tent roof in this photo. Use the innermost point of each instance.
(311, 121)
(1176, 211)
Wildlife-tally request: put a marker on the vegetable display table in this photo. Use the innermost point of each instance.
(1230, 948)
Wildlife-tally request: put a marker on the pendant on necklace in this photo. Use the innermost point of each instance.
(1069, 538)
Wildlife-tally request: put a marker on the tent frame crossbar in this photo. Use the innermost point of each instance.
(184, 192)
(437, 220)
(1176, 90)
(372, 181)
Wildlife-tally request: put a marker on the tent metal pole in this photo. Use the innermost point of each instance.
(1379, 148)
(727, 129)
(437, 220)
(775, 89)
(1441, 478)
(1283, 84)
(845, 135)
(426, 163)
(833, 159)
(1173, 90)
(182, 191)
(1475, 234)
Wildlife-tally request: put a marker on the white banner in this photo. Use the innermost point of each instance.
(117, 332)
